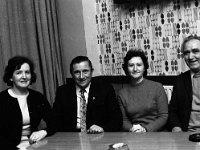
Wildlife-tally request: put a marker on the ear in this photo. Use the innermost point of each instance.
(11, 79)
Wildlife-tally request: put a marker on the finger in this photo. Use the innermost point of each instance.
(94, 130)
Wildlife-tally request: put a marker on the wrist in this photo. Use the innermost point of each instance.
(44, 132)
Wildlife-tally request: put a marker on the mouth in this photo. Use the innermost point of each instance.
(192, 62)
(136, 73)
(82, 81)
(24, 82)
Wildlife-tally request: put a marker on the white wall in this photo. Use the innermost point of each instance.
(91, 34)
(71, 27)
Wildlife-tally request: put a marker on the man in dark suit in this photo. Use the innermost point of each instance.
(103, 112)
(184, 107)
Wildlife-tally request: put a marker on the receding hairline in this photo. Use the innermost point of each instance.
(189, 39)
(88, 63)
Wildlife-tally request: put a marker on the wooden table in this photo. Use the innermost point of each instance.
(135, 141)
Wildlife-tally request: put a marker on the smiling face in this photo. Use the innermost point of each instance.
(21, 78)
(82, 74)
(191, 54)
(136, 68)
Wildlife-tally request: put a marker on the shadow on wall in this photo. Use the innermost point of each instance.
(142, 2)
(127, 4)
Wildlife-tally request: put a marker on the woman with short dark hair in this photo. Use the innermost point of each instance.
(21, 108)
(143, 102)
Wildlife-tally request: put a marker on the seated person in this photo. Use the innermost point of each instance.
(184, 107)
(143, 103)
(86, 104)
(21, 109)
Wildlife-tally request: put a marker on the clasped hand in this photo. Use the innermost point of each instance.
(137, 128)
(95, 129)
(37, 136)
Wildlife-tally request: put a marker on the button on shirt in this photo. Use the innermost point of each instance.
(86, 94)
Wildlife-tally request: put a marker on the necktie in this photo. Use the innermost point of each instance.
(83, 109)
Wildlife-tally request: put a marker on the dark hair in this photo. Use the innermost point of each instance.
(187, 39)
(15, 63)
(80, 59)
(135, 53)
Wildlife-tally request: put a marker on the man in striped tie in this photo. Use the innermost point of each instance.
(86, 104)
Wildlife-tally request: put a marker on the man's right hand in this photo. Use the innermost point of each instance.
(95, 129)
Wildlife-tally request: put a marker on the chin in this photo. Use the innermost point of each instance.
(24, 87)
(82, 85)
(136, 77)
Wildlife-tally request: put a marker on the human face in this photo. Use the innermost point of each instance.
(136, 68)
(82, 74)
(22, 77)
(191, 54)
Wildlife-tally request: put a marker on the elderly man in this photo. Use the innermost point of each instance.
(184, 107)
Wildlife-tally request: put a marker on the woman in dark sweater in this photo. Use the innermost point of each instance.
(21, 109)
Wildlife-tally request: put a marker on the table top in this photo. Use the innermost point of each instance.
(135, 141)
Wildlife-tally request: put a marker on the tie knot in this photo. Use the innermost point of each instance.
(82, 91)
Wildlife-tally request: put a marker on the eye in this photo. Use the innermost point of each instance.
(139, 64)
(76, 72)
(130, 65)
(186, 52)
(28, 72)
(195, 50)
(85, 71)
(17, 72)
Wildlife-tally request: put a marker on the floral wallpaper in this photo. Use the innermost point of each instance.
(158, 28)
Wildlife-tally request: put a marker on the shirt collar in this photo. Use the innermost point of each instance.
(192, 73)
(86, 89)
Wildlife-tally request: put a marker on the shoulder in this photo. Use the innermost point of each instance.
(4, 95)
(151, 83)
(98, 82)
(4, 92)
(125, 89)
(36, 95)
(101, 88)
(182, 79)
(67, 86)
(37, 98)
(62, 87)
(34, 92)
(184, 76)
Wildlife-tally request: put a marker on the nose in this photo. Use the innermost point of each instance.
(134, 68)
(24, 75)
(190, 55)
(81, 75)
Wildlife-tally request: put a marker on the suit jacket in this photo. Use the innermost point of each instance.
(102, 108)
(11, 117)
(181, 102)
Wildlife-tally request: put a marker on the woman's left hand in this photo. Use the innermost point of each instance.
(38, 135)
